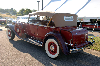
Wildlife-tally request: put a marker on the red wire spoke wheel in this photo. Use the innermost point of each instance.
(52, 48)
(10, 34)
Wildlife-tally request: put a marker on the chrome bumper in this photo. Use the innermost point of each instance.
(76, 50)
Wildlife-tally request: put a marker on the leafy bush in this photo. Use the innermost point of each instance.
(96, 45)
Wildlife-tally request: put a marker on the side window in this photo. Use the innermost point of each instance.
(33, 18)
(42, 20)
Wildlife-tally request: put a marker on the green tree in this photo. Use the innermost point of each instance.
(14, 12)
(27, 11)
(21, 12)
(10, 11)
(2, 10)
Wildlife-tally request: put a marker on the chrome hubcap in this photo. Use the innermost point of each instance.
(52, 48)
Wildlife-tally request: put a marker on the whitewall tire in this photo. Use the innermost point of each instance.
(10, 34)
(52, 48)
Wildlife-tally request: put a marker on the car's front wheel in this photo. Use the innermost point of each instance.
(52, 48)
(10, 34)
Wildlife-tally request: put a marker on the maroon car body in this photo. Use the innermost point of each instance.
(55, 31)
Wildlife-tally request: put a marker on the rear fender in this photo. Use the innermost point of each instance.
(60, 40)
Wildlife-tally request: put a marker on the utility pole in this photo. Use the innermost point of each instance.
(38, 5)
(42, 4)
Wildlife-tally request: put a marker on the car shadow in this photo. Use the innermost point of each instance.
(76, 59)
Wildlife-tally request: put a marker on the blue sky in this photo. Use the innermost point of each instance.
(70, 6)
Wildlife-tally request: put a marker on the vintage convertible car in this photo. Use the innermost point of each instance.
(54, 31)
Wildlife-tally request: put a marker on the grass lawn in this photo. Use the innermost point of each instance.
(96, 45)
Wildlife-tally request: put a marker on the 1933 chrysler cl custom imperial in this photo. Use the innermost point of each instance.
(54, 31)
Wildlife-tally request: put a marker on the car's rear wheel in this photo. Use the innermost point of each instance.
(52, 48)
(10, 34)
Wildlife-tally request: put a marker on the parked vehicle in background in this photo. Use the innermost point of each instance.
(25, 18)
(2, 21)
(89, 22)
(93, 26)
(9, 20)
(52, 30)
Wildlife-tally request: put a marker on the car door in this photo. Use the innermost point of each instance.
(33, 30)
(30, 29)
(42, 31)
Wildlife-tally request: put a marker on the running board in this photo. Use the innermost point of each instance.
(36, 42)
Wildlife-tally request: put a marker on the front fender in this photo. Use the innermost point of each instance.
(60, 40)
(12, 28)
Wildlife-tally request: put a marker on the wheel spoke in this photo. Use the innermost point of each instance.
(52, 48)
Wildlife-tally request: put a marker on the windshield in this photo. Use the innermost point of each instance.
(32, 18)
